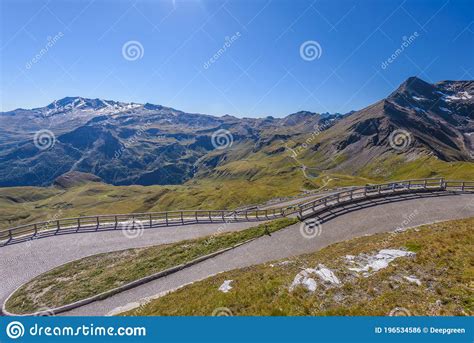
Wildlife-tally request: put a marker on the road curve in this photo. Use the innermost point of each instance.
(20, 263)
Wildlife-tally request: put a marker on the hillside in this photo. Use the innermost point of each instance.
(421, 271)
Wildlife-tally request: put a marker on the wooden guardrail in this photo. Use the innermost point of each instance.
(314, 207)
(137, 221)
(134, 222)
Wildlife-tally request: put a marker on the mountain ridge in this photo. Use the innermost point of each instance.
(130, 143)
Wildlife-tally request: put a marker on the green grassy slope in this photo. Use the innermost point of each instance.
(235, 184)
(443, 265)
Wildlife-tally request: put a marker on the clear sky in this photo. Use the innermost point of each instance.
(262, 71)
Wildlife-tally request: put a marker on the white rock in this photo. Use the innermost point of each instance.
(381, 260)
(303, 279)
(327, 275)
(226, 287)
(350, 258)
(413, 279)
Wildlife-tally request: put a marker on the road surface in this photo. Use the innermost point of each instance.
(23, 261)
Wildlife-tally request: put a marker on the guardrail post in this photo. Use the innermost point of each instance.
(246, 215)
(223, 216)
(78, 223)
(210, 217)
(182, 217)
(58, 227)
(441, 183)
(98, 223)
(196, 216)
(151, 221)
(425, 184)
(166, 216)
(409, 184)
(116, 222)
(266, 214)
(10, 235)
(36, 229)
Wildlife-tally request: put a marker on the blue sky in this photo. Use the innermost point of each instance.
(261, 72)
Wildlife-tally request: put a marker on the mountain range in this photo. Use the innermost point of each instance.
(146, 144)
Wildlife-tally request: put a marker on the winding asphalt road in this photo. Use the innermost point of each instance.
(21, 262)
